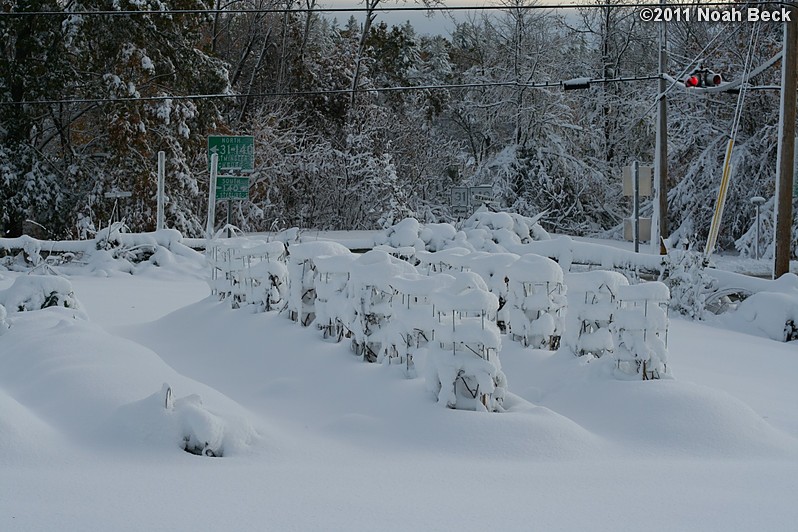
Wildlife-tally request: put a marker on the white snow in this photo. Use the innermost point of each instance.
(313, 438)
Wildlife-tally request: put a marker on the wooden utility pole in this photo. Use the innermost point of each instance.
(659, 235)
(786, 149)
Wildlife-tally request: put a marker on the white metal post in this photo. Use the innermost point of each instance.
(636, 207)
(212, 196)
(161, 177)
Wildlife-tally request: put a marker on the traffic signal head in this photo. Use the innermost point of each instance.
(703, 78)
(712, 79)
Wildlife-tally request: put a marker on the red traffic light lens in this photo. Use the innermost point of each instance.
(691, 81)
(717, 79)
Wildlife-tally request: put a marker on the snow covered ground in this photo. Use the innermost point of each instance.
(315, 439)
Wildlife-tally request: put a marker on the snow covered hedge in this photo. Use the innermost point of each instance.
(111, 250)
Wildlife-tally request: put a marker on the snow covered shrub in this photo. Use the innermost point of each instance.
(3, 323)
(592, 306)
(36, 292)
(249, 272)
(369, 294)
(483, 231)
(110, 239)
(640, 329)
(463, 368)
(537, 301)
(333, 313)
(445, 260)
(496, 231)
(494, 268)
(689, 283)
(411, 325)
(301, 271)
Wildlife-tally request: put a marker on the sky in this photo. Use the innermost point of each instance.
(437, 23)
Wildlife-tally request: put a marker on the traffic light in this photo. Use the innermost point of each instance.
(703, 78)
(692, 81)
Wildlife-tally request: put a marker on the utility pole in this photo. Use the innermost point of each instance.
(786, 147)
(660, 230)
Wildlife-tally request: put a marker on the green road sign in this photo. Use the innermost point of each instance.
(232, 187)
(235, 153)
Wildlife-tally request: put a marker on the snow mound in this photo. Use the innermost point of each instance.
(183, 423)
(36, 292)
(483, 231)
(648, 418)
(767, 314)
(77, 380)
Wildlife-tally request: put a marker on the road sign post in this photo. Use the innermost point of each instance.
(465, 199)
(159, 223)
(212, 196)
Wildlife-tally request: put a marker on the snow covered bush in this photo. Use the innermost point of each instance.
(249, 272)
(592, 305)
(494, 268)
(496, 231)
(690, 284)
(301, 271)
(369, 294)
(3, 323)
(640, 330)
(536, 300)
(463, 368)
(333, 313)
(445, 260)
(412, 312)
(483, 231)
(36, 292)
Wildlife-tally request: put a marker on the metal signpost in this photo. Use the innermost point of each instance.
(637, 182)
(460, 201)
(466, 199)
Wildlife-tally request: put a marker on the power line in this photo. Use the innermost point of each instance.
(325, 92)
(7, 12)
